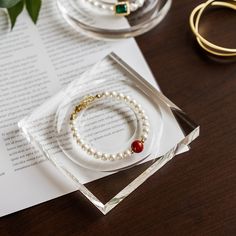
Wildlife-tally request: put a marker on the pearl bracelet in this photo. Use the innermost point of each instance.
(120, 8)
(137, 145)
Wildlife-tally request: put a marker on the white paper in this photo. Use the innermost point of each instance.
(35, 62)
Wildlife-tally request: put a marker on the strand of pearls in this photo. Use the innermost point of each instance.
(136, 146)
(133, 5)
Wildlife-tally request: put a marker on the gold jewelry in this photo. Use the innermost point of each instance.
(194, 24)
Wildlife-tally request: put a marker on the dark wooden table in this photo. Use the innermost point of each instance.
(195, 194)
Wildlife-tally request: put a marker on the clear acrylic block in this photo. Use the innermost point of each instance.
(109, 126)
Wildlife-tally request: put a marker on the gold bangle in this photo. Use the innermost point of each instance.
(194, 24)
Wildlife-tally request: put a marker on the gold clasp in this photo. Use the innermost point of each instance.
(88, 99)
(84, 103)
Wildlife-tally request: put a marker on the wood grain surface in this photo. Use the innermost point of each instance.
(195, 194)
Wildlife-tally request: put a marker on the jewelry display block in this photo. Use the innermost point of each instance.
(111, 19)
(108, 131)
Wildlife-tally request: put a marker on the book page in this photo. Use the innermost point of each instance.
(35, 62)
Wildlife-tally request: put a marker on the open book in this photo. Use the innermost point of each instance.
(35, 62)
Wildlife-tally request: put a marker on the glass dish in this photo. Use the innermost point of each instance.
(108, 126)
(95, 22)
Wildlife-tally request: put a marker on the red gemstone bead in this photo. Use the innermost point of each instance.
(137, 146)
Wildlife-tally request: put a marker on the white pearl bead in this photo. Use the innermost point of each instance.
(104, 6)
(133, 102)
(74, 129)
(138, 107)
(112, 157)
(104, 156)
(127, 153)
(91, 151)
(121, 96)
(82, 141)
(96, 155)
(146, 123)
(119, 156)
(144, 137)
(144, 117)
(145, 129)
(127, 98)
(85, 147)
(141, 112)
(140, 3)
(107, 94)
(145, 133)
(133, 7)
(114, 94)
